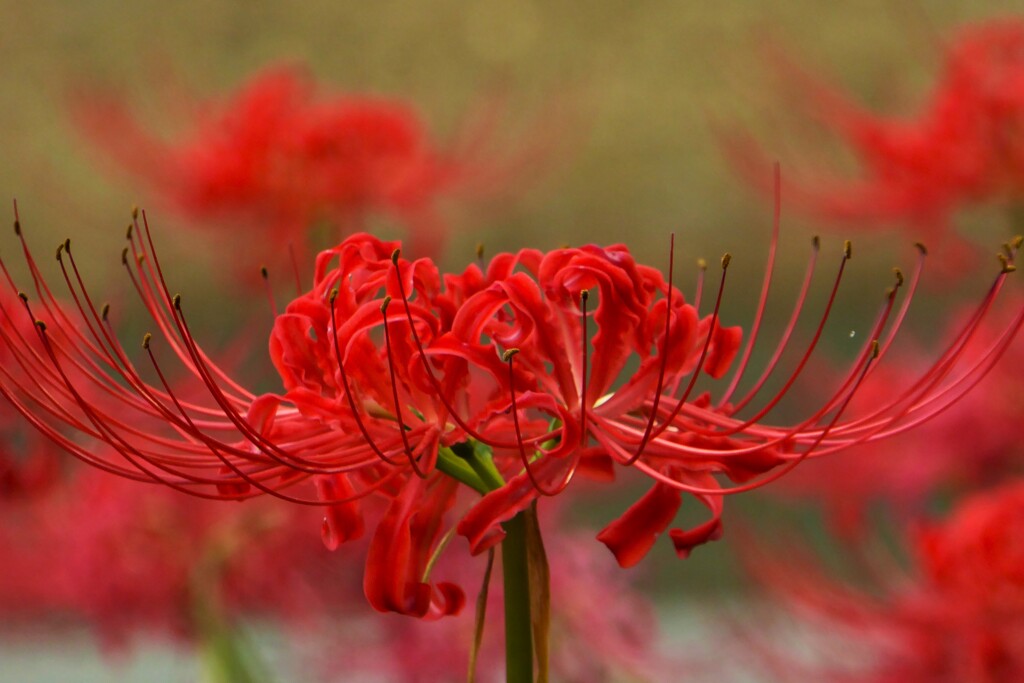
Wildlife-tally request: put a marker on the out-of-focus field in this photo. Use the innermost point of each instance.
(633, 88)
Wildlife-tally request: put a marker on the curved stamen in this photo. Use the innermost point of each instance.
(664, 355)
(394, 392)
(762, 302)
(345, 384)
(507, 357)
(703, 355)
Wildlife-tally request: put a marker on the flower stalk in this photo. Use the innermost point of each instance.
(515, 567)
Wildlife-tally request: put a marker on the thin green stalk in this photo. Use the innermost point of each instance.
(518, 622)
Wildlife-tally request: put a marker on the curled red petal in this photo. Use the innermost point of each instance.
(630, 536)
(401, 548)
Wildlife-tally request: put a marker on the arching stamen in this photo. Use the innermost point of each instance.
(230, 489)
(726, 259)
(785, 469)
(507, 356)
(345, 384)
(762, 303)
(847, 253)
(664, 354)
(394, 393)
(788, 330)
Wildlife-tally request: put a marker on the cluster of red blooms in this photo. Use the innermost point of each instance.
(278, 158)
(144, 560)
(957, 615)
(411, 386)
(965, 145)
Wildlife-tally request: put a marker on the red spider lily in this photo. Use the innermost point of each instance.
(964, 145)
(956, 615)
(401, 382)
(975, 442)
(130, 559)
(278, 158)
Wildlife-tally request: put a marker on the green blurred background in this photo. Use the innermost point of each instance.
(637, 85)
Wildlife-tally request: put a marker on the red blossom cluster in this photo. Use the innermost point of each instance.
(956, 615)
(421, 389)
(271, 163)
(964, 145)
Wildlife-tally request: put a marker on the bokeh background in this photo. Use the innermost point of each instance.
(632, 90)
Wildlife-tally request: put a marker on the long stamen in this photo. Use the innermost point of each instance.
(762, 303)
(664, 355)
(788, 330)
(726, 259)
(394, 392)
(345, 384)
(507, 357)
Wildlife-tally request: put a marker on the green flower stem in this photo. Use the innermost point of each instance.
(471, 463)
(518, 626)
(227, 655)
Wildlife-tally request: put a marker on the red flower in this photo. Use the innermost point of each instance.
(963, 146)
(279, 157)
(400, 381)
(957, 616)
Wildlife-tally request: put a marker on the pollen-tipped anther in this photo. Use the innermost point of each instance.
(921, 248)
(874, 349)
(333, 295)
(105, 311)
(1007, 267)
(135, 212)
(264, 273)
(480, 251)
(1017, 241)
(23, 296)
(41, 325)
(726, 260)
(816, 242)
(702, 264)
(584, 295)
(847, 249)
(384, 304)
(394, 256)
(146, 339)
(140, 259)
(17, 227)
(899, 276)
(124, 256)
(176, 301)
(67, 244)
(506, 356)
(128, 232)
(60, 250)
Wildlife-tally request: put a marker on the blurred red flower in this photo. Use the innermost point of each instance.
(279, 158)
(957, 615)
(964, 145)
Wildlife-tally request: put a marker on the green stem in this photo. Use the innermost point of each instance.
(518, 628)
